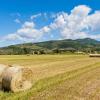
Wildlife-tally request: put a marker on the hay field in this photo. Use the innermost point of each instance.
(57, 77)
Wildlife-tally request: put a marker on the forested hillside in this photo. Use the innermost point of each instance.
(86, 45)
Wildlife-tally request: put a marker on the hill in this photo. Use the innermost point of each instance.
(85, 45)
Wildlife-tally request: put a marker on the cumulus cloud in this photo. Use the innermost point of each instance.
(45, 29)
(80, 23)
(28, 25)
(28, 32)
(81, 11)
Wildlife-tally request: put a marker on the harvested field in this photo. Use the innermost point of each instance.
(57, 77)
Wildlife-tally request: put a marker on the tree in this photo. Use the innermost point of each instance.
(26, 50)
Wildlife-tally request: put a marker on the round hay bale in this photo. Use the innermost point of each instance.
(27, 72)
(12, 80)
(2, 68)
(94, 55)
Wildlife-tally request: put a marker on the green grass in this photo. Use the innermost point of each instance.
(58, 77)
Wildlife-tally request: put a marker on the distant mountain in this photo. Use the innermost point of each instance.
(68, 43)
(78, 44)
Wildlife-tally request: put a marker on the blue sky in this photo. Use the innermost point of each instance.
(42, 20)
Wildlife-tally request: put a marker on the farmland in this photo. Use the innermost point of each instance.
(57, 77)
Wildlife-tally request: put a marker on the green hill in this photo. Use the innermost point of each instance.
(85, 45)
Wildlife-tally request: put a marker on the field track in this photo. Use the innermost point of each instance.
(58, 77)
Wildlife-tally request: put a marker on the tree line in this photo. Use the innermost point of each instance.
(13, 50)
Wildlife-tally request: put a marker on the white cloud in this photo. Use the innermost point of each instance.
(35, 16)
(81, 11)
(12, 37)
(28, 25)
(45, 29)
(80, 23)
(59, 22)
(93, 21)
(28, 32)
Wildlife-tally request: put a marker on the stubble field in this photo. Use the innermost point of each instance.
(57, 77)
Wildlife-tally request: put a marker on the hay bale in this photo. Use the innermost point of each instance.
(2, 68)
(94, 55)
(12, 80)
(26, 72)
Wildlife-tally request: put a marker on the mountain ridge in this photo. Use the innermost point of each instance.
(78, 44)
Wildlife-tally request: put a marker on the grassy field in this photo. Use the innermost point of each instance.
(58, 77)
